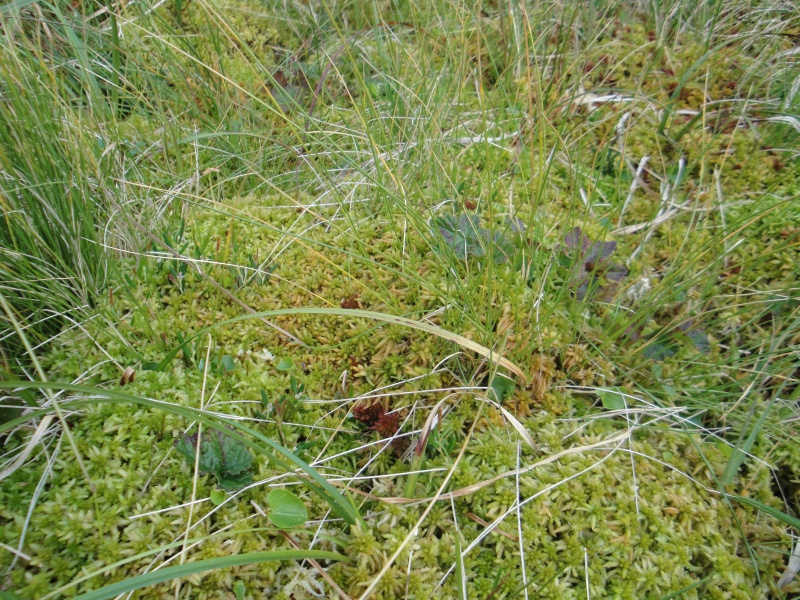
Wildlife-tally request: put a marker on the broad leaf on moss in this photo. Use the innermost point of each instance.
(612, 399)
(700, 340)
(286, 509)
(228, 459)
(465, 235)
(660, 350)
(502, 387)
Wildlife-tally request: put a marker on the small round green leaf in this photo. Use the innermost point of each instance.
(612, 400)
(227, 365)
(218, 497)
(287, 510)
(502, 388)
(285, 364)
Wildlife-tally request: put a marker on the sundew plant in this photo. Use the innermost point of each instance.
(399, 300)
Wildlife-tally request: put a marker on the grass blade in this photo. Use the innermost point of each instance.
(773, 512)
(365, 314)
(140, 581)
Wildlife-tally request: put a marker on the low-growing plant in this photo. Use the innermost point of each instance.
(226, 458)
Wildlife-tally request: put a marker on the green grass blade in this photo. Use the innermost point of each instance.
(461, 579)
(161, 575)
(158, 550)
(773, 512)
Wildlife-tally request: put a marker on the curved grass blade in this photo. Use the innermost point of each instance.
(161, 575)
(276, 453)
(365, 314)
(773, 512)
(158, 550)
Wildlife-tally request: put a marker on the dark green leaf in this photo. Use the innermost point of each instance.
(210, 453)
(234, 483)
(659, 351)
(696, 420)
(504, 248)
(219, 454)
(463, 234)
(236, 458)
(700, 340)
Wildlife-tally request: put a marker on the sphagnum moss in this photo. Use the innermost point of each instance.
(643, 537)
(632, 516)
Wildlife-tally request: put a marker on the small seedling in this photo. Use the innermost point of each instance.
(442, 440)
(285, 364)
(288, 404)
(228, 459)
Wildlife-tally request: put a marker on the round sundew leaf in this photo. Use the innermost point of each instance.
(287, 510)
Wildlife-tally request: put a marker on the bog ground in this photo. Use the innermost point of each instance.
(401, 299)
